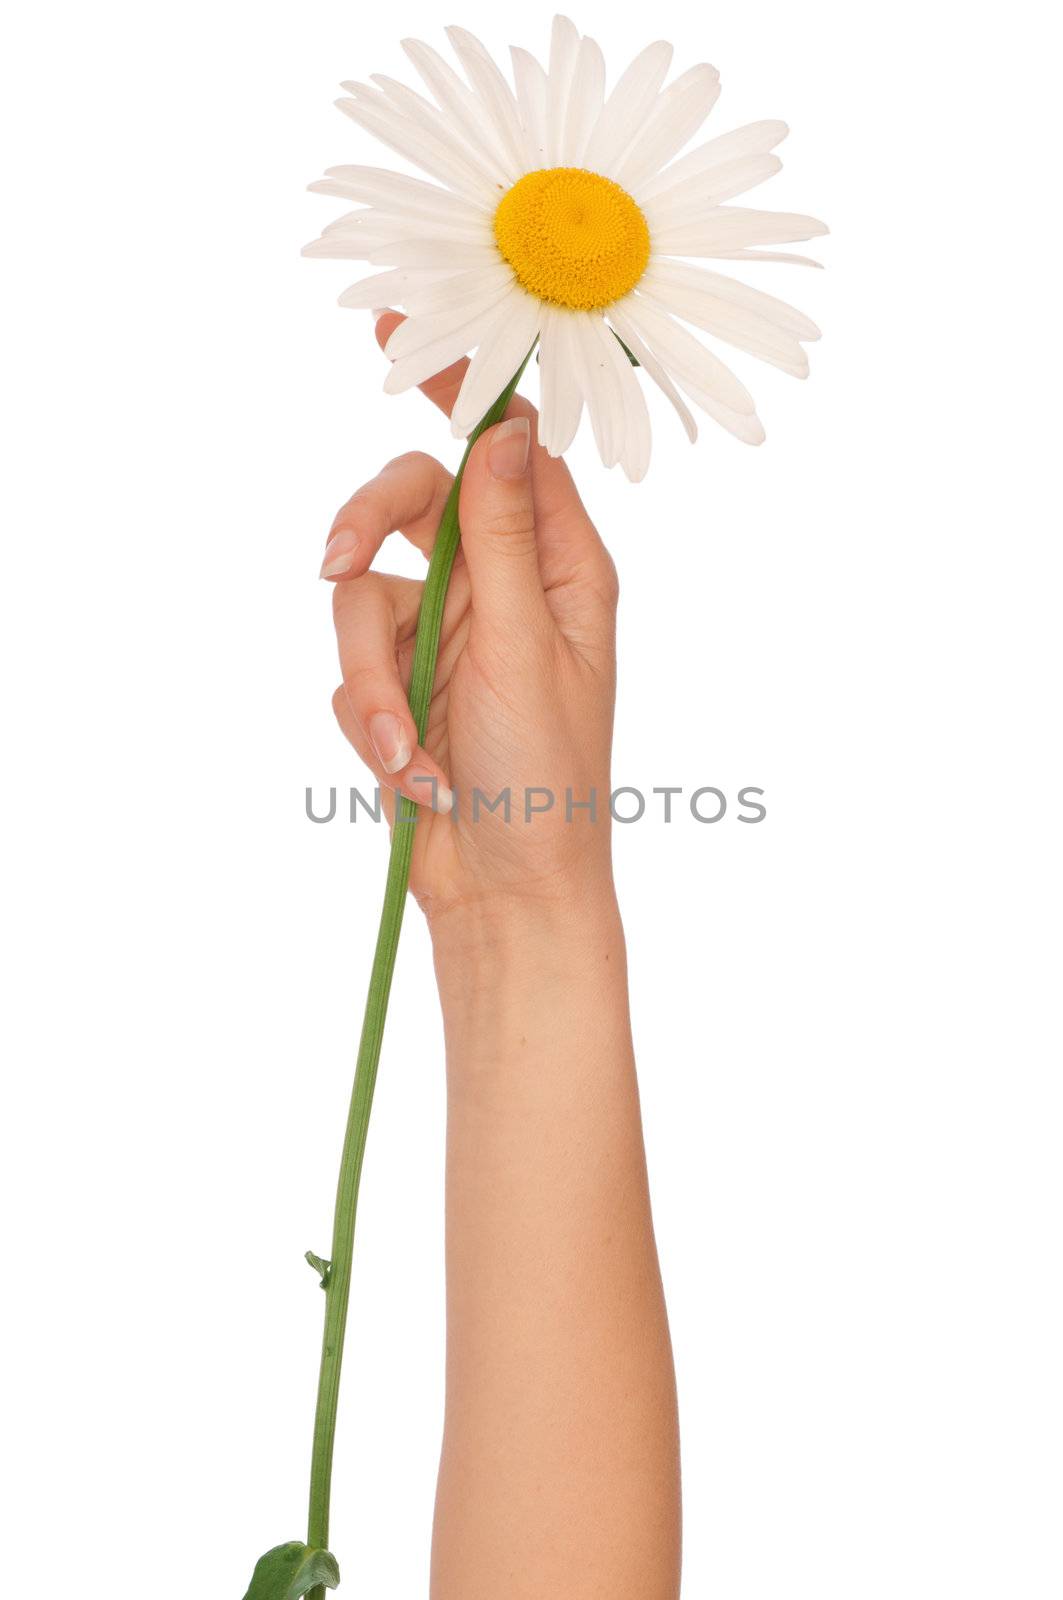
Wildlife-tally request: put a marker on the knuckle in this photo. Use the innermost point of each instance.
(415, 461)
(359, 595)
(598, 577)
(608, 580)
(361, 681)
(514, 524)
(363, 496)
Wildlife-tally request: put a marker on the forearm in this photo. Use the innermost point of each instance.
(559, 1473)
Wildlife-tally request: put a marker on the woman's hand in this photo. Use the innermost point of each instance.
(516, 756)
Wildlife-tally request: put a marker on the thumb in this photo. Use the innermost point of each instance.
(497, 515)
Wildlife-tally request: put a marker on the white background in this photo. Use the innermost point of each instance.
(844, 1016)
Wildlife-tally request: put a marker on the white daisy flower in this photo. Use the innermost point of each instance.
(560, 214)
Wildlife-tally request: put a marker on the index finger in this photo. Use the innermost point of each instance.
(442, 388)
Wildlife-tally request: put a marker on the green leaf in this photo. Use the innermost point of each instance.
(320, 1266)
(635, 362)
(288, 1571)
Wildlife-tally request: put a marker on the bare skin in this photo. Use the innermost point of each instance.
(559, 1474)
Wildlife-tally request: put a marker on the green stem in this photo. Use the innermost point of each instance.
(338, 1279)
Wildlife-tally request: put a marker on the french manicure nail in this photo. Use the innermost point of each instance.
(340, 553)
(389, 741)
(507, 454)
(426, 789)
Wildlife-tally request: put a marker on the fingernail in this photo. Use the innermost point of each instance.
(426, 789)
(389, 741)
(507, 454)
(340, 553)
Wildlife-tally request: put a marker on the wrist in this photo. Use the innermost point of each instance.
(484, 927)
(510, 967)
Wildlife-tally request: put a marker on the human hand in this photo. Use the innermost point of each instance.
(525, 681)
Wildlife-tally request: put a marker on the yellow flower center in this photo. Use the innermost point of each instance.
(572, 237)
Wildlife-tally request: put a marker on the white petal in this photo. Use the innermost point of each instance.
(399, 133)
(688, 201)
(597, 379)
(727, 228)
(497, 97)
(517, 320)
(744, 329)
(686, 357)
(564, 48)
(745, 425)
(532, 92)
(676, 117)
(561, 401)
(385, 289)
(345, 247)
(431, 327)
(388, 225)
(765, 255)
(686, 275)
(395, 191)
(350, 222)
(627, 107)
(456, 101)
(742, 421)
(454, 289)
(637, 435)
(755, 139)
(428, 253)
(442, 130)
(653, 368)
(442, 351)
(584, 102)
